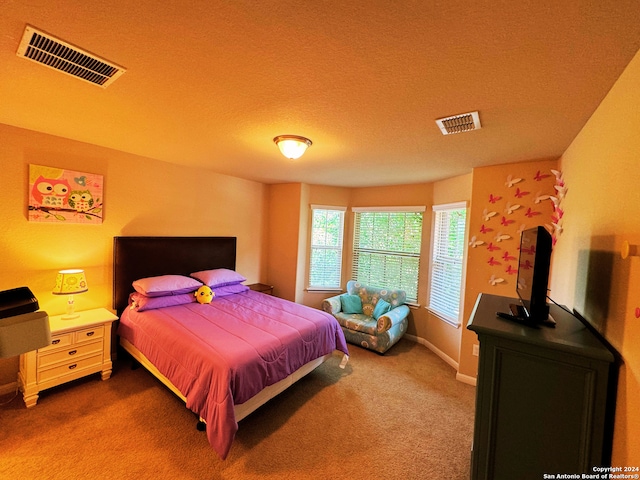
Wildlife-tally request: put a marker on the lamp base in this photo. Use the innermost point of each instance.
(70, 316)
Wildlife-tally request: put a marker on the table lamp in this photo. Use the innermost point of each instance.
(69, 282)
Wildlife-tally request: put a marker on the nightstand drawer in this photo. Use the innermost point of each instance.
(69, 354)
(58, 341)
(88, 334)
(69, 368)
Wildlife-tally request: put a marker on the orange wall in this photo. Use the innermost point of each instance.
(522, 189)
(141, 197)
(602, 209)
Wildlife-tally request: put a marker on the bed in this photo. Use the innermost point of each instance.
(223, 359)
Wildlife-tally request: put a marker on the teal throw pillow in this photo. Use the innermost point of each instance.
(351, 303)
(382, 307)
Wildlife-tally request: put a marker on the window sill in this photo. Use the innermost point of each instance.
(323, 290)
(449, 321)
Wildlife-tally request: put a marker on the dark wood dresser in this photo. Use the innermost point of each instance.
(544, 398)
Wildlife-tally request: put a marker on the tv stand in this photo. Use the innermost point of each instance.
(544, 397)
(518, 315)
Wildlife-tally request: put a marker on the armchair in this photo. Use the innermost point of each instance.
(374, 318)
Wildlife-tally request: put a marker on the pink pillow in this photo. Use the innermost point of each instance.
(218, 277)
(164, 285)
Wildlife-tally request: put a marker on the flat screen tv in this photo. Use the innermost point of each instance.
(533, 274)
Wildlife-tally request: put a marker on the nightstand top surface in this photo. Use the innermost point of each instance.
(86, 318)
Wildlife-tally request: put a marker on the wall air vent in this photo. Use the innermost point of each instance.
(52, 52)
(464, 122)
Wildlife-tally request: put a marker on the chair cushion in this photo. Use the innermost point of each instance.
(357, 322)
(381, 308)
(351, 303)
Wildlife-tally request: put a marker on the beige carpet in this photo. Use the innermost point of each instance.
(398, 416)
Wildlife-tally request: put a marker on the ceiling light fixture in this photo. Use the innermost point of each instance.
(292, 146)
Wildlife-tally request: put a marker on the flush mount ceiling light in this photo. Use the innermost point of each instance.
(292, 146)
(464, 122)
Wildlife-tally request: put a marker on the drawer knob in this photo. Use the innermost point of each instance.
(55, 342)
(71, 367)
(90, 334)
(73, 352)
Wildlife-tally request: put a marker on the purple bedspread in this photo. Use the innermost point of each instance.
(222, 354)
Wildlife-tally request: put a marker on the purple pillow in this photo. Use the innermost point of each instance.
(218, 277)
(164, 285)
(229, 290)
(140, 302)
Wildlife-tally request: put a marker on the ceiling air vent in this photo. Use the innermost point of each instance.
(55, 53)
(464, 122)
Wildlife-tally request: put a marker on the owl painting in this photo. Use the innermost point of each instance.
(60, 195)
(81, 200)
(50, 192)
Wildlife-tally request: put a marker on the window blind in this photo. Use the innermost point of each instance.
(446, 262)
(327, 225)
(386, 249)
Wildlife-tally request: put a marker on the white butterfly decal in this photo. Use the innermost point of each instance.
(475, 242)
(512, 208)
(555, 228)
(557, 174)
(562, 191)
(486, 214)
(512, 181)
(501, 236)
(522, 228)
(541, 198)
(495, 280)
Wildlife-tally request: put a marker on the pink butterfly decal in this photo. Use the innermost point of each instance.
(491, 247)
(510, 270)
(508, 258)
(526, 265)
(559, 212)
(484, 229)
(493, 262)
(539, 176)
(506, 222)
(520, 193)
(531, 213)
(494, 198)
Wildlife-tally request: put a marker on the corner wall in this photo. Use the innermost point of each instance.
(602, 209)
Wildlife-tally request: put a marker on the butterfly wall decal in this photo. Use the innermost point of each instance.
(511, 181)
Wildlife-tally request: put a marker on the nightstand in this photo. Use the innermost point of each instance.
(79, 347)
(261, 287)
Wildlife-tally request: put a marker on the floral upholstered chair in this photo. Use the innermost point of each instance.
(374, 318)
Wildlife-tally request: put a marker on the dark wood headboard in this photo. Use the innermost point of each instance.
(140, 257)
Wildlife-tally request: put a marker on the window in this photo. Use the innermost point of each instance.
(386, 248)
(327, 225)
(446, 261)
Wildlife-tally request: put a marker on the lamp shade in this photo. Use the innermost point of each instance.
(292, 146)
(69, 282)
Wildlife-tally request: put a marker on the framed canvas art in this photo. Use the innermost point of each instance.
(58, 195)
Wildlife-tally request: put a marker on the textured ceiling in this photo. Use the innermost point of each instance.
(210, 83)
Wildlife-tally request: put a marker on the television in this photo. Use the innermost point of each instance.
(533, 275)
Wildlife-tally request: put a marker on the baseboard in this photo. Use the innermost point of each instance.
(450, 361)
(466, 379)
(8, 388)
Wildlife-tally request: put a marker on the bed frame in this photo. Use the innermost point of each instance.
(140, 257)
